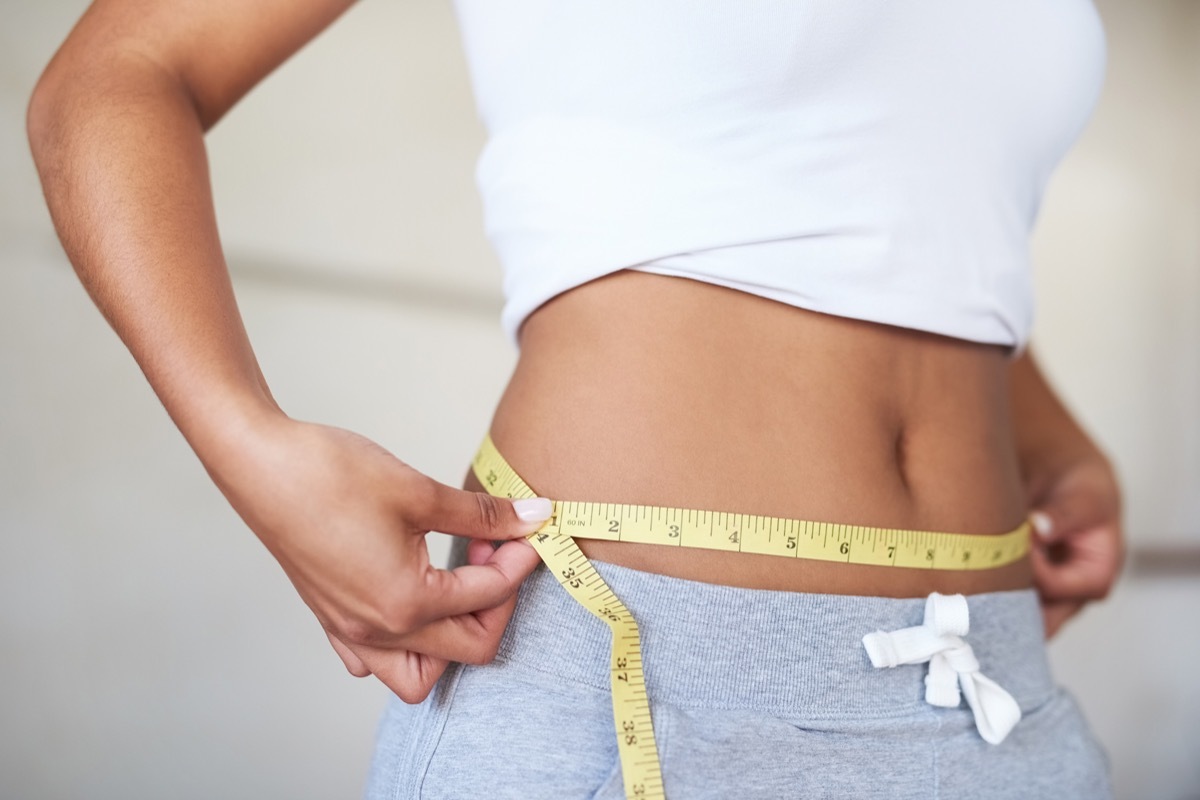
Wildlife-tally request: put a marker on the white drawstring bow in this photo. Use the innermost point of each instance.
(952, 664)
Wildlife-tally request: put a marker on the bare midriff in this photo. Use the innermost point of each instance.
(657, 390)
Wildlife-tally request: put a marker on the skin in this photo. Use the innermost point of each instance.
(1074, 491)
(859, 422)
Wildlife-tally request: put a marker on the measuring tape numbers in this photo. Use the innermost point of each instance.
(713, 530)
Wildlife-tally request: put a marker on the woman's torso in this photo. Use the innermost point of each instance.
(761, 168)
(658, 390)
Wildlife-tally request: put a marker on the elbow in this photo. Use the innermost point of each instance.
(84, 84)
(42, 114)
(84, 106)
(58, 93)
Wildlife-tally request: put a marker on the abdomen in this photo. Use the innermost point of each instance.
(648, 389)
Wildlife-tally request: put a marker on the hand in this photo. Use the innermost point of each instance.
(1079, 547)
(347, 522)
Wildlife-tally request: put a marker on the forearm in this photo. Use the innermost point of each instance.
(1048, 438)
(119, 147)
(116, 126)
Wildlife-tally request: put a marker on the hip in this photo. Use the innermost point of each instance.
(754, 693)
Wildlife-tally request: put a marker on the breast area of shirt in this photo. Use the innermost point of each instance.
(878, 159)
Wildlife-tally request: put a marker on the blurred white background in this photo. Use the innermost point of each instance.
(149, 645)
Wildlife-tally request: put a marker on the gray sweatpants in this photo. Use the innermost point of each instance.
(754, 694)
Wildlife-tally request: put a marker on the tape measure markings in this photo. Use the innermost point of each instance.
(727, 531)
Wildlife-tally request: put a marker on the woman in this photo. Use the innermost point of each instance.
(764, 258)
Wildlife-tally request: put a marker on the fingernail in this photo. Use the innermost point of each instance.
(533, 509)
(1041, 523)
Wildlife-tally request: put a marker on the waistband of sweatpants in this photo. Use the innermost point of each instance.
(711, 646)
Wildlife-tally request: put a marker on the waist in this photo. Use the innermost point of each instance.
(656, 390)
(786, 653)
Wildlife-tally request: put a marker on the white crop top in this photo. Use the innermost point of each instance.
(877, 159)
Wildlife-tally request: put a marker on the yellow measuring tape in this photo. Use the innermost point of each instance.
(713, 530)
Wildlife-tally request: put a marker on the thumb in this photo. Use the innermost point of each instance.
(479, 515)
(1063, 513)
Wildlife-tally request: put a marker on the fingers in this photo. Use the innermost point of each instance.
(429, 596)
(1083, 499)
(1065, 514)
(1064, 580)
(1054, 521)
(477, 514)
(420, 658)
(1083, 567)
(413, 666)
(473, 636)
(483, 595)
(354, 664)
(411, 676)
(488, 580)
(1079, 549)
(470, 638)
(1055, 615)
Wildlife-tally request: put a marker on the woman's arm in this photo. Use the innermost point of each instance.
(116, 125)
(1073, 491)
